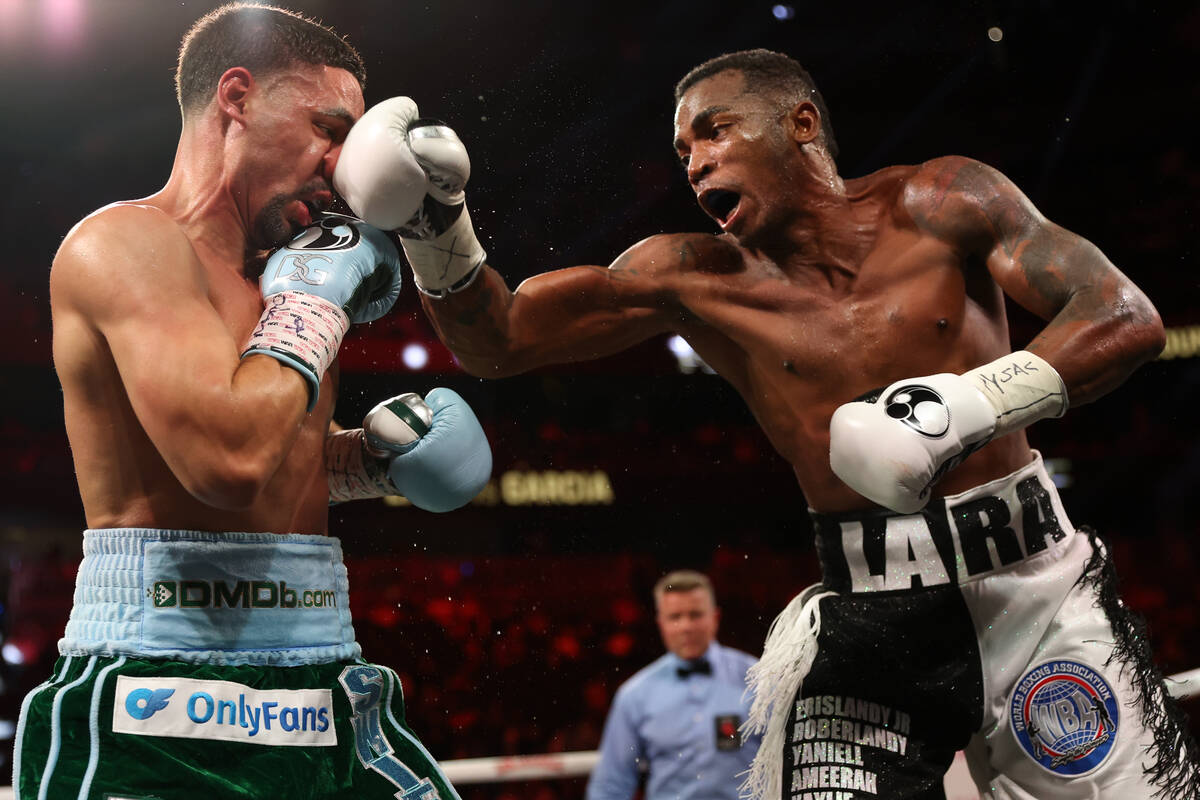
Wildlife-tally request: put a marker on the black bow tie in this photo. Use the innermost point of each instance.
(692, 667)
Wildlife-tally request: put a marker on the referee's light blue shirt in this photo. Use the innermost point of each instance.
(671, 724)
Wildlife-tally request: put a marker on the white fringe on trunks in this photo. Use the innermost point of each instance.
(788, 654)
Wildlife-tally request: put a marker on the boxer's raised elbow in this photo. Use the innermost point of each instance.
(1155, 338)
(1150, 342)
(1144, 333)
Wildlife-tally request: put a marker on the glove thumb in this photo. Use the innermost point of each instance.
(451, 464)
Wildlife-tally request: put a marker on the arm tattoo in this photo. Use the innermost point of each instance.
(471, 315)
(1042, 261)
(482, 319)
(968, 205)
(620, 271)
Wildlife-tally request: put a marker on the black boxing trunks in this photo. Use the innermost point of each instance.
(984, 623)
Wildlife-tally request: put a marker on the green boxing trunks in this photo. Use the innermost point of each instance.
(206, 665)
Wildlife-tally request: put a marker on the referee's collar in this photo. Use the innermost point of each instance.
(710, 655)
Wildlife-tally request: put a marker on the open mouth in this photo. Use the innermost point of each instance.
(318, 203)
(315, 198)
(298, 215)
(720, 204)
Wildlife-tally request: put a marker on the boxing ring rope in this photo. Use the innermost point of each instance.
(1184, 684)
(548, 766)
(520, 768)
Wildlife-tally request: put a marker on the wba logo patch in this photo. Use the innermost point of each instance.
(1064, 715)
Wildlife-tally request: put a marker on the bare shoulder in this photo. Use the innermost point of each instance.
(949, 175)
(120, 247)
(119, 230)
(965, 202)
(674, 254)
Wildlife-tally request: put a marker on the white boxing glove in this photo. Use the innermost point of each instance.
(375, 175)
(440, 242)
(894, 448)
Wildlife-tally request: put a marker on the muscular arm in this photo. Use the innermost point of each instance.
(572, 314)
(127, 285)
(1100, 325)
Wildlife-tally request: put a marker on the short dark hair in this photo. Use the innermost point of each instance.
(683, 580)
(263, 39)
(766, 71)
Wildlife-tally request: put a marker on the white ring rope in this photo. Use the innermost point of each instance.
(520, 768)
(1184, 684)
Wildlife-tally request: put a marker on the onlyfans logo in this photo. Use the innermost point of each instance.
(223, 710)
(142, 703)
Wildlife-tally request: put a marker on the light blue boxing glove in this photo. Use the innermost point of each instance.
(337, 271)
(439, 463)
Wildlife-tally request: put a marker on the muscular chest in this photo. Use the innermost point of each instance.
(869, 333)
(908, 301)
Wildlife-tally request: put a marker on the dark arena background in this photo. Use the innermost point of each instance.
(514, 620)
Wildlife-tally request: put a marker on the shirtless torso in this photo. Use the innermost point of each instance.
(152, 301)
(125, 479)
(796, 349)
(817, 291)
(820, 290)
(198, 406)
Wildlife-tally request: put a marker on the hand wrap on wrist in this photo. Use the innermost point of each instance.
(1022, 388)
(442, 248)
(303, 331)
(352, 473)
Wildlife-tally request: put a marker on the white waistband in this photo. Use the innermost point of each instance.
(953, 540)
(207, 597)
